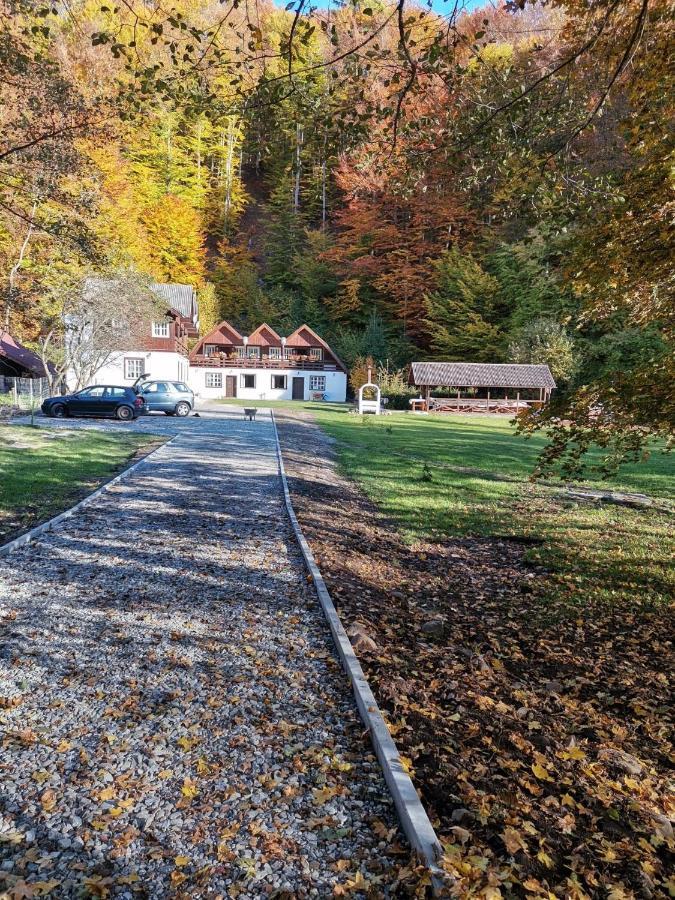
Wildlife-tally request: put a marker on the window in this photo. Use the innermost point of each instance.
(92, 392)
(214, 380)
(275, 352)
(278, 382)
(317, 383)
(156, 387)
(133, 367)
(160, 329)
(253, 352)
(183, 388)
(248, 381)
(316, 353)
(241, 352)
(210, 349)
(288, 352)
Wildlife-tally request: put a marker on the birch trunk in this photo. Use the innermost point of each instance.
(299, 137)
(14, 271)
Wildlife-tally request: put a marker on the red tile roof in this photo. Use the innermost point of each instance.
(21, 357)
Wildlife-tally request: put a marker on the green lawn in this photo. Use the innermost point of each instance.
(45, 470)
(605, 552)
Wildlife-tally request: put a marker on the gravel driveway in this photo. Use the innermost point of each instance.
(173, 720)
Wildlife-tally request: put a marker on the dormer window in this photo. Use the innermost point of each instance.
(316, 352)
(160, 329)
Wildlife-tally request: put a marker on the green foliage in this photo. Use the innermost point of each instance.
(545, 341)
(372, 340)
(460, 308)
(529, 284)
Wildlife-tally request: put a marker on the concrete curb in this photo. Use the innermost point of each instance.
(414, 820)
(28, 536)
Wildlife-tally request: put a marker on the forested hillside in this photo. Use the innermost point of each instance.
(485, 185)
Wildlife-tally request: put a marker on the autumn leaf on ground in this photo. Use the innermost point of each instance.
(189, 789)
(323, 795)
(540, 772)
(513, 840)
(48, 800)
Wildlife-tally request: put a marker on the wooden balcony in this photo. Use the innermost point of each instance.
(224, 361)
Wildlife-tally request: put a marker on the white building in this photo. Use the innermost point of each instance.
(266, 366)
(163, 352)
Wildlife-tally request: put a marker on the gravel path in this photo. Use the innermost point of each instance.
(173, 721)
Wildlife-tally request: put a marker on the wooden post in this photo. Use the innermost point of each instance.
(458, 393)
(518, 400)
(427, 395)
(488, 400)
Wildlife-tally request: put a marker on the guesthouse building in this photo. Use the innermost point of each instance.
(162, 351)
(266, 366)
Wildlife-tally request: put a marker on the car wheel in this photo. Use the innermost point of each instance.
(58, 410)
(124, 413)
(182, 409)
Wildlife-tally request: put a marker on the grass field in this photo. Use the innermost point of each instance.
(470, 475)
(43, 471)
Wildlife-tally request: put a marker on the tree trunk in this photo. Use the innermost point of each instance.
(14, 271)
(299, 137)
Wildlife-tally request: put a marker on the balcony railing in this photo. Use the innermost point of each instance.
(218, 361)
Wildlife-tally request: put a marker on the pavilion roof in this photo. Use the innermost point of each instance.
(497, 375)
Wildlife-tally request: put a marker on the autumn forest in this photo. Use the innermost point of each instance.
(487, 184)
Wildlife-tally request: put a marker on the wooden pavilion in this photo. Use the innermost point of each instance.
(480, 387)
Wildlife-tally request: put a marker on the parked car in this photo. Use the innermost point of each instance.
(100, 400)
(174, 398)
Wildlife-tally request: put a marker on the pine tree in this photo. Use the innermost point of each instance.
(459, 310)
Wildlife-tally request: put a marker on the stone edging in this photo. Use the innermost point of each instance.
(413, 817)
(28, 536)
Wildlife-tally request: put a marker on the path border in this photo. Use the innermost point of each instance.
(30, 535)
(413, 817)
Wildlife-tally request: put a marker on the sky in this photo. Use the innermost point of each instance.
(439, 6)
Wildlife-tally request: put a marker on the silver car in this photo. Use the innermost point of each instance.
(174, 398)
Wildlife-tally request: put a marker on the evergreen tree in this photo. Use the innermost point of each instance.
(460, 308)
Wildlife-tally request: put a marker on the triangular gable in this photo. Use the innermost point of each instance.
(223, 333)
(264, 336)
(297, 339)
(228, 333)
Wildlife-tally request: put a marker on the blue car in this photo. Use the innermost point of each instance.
(104, 400)
(174, 398)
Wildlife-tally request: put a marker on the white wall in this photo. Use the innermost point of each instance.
(335, 390)
(158, 365)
